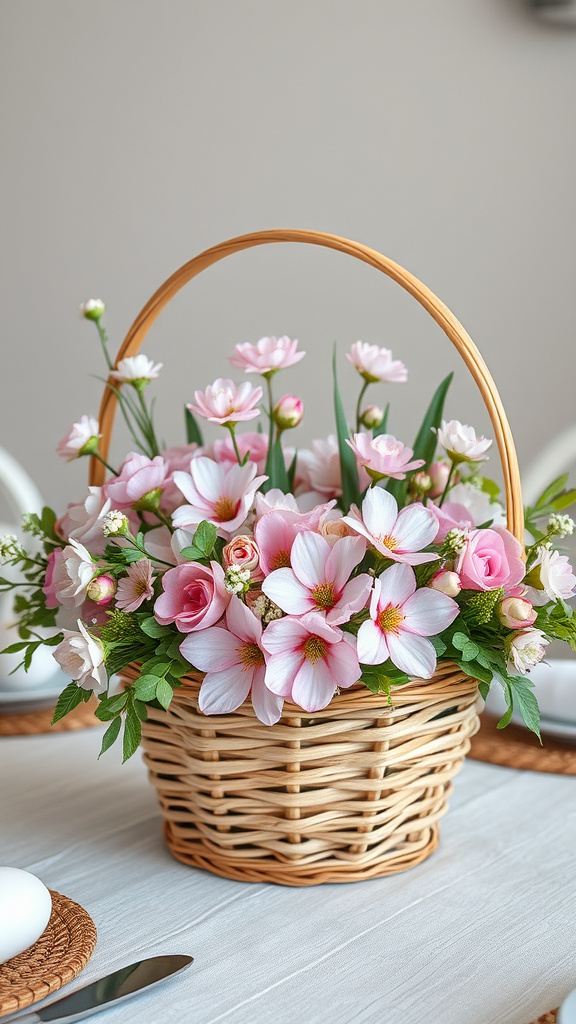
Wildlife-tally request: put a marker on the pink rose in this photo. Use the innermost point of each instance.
(194, 596)
(490, 559)
(243, 553)
(138, 476)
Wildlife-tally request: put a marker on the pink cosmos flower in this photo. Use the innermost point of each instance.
(136, 587)
(220, 493)
(81, 439)
(138, 476)
(374, 363)
(401, 618)
(234, 664)
(275, 532)
(383, 455)
(490, 559)
(319, 470)
(256, 444)
(399, 536)
(319, 579)
(308, 659)
(194, 596)
(222, 402)
(267, 356)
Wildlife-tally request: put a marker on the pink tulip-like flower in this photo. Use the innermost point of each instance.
(134, 369)
(136, 587)
(276, 531)
(220, 493)
(319, 470)
(308, 659)
(81, 656)
(526, 649)
(233, 661)
(399, 536)
(194, 596)
(319, 579)
(84, 521)
(401, 618)
(554, 577)
(139, 476)
(460, 442)
(288, 412)
(267, 356)
(516, 613)
(376, 364)
(490, 559)
(81, 439)
(222, 402)
(250, 442)
(383, 456)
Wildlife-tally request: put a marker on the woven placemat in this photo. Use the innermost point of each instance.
(62, 951)
(517, 747)
(30, 723)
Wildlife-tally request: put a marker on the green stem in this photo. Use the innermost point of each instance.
(104, 463)
(359, 403)
(140, 547)
(448, 482)
(164, 519)
(104, 342)
(232, 429)
(151, 436)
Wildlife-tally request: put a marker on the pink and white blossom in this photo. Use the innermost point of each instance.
(233, 661)
(139, 476)
(555, 578)
(446, 582)
(243, 553)
(81, 656)
(136, 587)
(307, 659)
(372, 417)
(194, 596)
(101, 589)
(439, 473)
(461, 443)
(84, 521)
(92, 309)
(267, 356)
(376, 364)
(516, 613)
(81, 439)
(383, 455)
(276, 531)
(526, 649)
(318, 470)
(396, 535)
(221, 493)
(467, 507)
(490, 559)
(401, 619)
(222, 402)
(319, 578)
(136, 368)
(288, 412)
(69, 575)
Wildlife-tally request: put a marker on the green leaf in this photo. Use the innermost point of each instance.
(141, 710)
(132, 734)
(476, 671)
(348, 468)
(145, 687)
(15, 648)
(460, 640)
(279, 473)
(292, 471)
(111, 735)
(193, 554)
(151, 627)
(193, 432)
(564, 500)
(426, 441)
(470, 651)
(69, 699)
(483, 689)
(438, 645)
(164, 693)
(526, 703)
(552, 491)
(205, 537)
(109, 707)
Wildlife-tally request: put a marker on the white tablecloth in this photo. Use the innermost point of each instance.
(483, 932)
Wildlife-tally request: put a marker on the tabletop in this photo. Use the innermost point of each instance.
(481, 932)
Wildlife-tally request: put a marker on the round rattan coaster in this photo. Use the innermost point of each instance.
(62, 951)
(30, 723)
(516, 747)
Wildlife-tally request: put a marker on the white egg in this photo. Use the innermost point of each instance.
(25, 908)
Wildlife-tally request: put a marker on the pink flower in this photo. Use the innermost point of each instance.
(460, 442)
(242, 553)
(139, 476)
(222, 402)
(516, 613)
(383, 456)
(194, 596)
(490, 559)
(399, 536)
(68, 575)
(234, 664)
(275, 532)
(374, 363)
(219, 493)
(267, 356)
(319, 579)
(319, 470)
(55, 574)
(439, 473)
(288, 412)
(81, 439)
(177, 458)
(307, 660)
(101, 589)
(401, 618)
(136, 587)
(256, 444)
(81, 656)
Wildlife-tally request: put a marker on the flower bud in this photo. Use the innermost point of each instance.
(439, 472)
(516, 613)
(288, 412)
(101, 589)
(419, 485)
(241, 552)
(149, 502)
(92, 309)
(115, 524)
(372, 417)
(446, 582)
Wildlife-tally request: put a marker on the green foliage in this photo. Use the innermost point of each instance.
(555, 498)
(111, 735)
(426, 442)
(478, 607)
(70, 698)
(348, 468)
(203, 543)
(558, 622)
(193, 432)
(384, 425)
(382, 678)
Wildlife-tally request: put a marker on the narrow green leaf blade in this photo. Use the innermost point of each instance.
(348, 468)
(426, 442)
(193, 432)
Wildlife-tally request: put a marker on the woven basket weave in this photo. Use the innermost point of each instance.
(347, 793)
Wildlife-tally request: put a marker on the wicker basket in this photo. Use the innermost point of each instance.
(347, 793)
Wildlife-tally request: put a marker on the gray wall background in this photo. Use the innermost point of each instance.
(135, 134)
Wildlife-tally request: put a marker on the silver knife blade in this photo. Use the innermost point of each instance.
(107, 991)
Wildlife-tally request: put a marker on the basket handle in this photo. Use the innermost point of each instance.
(441, 314)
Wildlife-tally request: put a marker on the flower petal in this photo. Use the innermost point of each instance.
(241, 621)
(397, 584)
(415, 528)
(428, 612)
(281, 670)
(342, 661)
(283, 635)
(222, 692)
(308, 557)
(354, 597)
(379, 512)
(211, 650)
(412, 654)
(372, 646)
(343, 559)
(314, 685)
(282, 587)
(267, 705)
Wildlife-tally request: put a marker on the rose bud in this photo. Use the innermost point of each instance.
(101, 589)
(438, 473)
(288, 412)
(419, 485)
(242, 553)
(516, 613)
(446, 582)
(372, 417)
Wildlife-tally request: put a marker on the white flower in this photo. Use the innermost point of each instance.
(81, 439)
(376, 364)
(526, 649)
(10, 548)
(553, 574)
(79, 569)
(115, 523)
(92, 309)
(478, 503)
(460, 442)
(136, 368)
(560, 525)
(83, 522)
(237, 580)
(81, 656)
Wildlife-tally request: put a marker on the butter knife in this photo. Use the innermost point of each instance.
(106, 992)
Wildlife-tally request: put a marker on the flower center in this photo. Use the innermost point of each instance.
(389, 541)
(251, 655)
(225, 508)
(315, 648)
(389, 619)
(324, 595)
(281, 560)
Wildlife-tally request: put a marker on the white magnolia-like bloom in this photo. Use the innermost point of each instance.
(526, 649)
(134, 368)
(92, 309)
(556, 579)
(79, 571)
(115, 523)
(81, 656)
(460, 442)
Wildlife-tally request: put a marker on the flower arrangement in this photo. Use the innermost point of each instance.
(283, 573)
